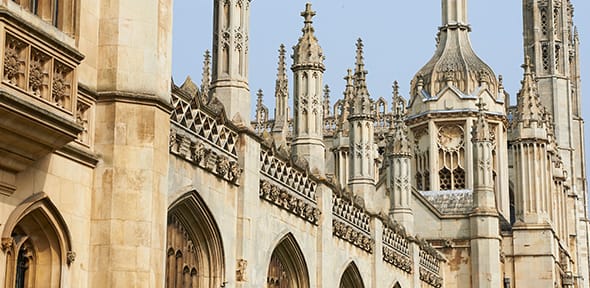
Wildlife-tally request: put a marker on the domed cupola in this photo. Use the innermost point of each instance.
(454, 66)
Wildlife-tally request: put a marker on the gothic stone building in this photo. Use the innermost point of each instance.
(112, 176)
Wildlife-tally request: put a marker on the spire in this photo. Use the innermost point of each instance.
(308, 53)
(481, 129)
(529, 107)
(282, 67)
(360, 74)
(326, 101)
(399, 103)
(361, 103)
(346, 102)
(399, 143)
(261, 110)
(280, 126)
(206, 77)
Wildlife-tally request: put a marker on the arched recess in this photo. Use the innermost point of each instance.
(195, 256)
(37, 244)
(287, 268)
(397, 285)
(351, 278)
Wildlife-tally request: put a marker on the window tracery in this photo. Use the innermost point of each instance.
(451, 157)
(59, 13)
(37, 245)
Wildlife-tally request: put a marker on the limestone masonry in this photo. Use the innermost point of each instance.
(111, 175)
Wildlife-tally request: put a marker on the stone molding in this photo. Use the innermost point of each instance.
(348, 232)
(396, 246)
(430, 261)
(288, 174)
(292, 202)
(209, 126)
(351, 221)
(219, 162)
(430, 278)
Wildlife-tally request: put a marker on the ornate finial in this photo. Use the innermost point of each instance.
(308, 51)
(326, 101)
(500, 82)
(261, 110)
(307, 15)
(282, 67)
(349, 90)
(399, 103)
(529, 107)
(360, 65)
(527, 66)
(481, 106)
(398, 140)
(206, 77)
(481, 129)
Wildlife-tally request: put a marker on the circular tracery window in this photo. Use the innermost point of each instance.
(450, 137)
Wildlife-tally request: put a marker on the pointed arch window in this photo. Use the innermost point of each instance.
(194, 249)
(287, 268)
(351, 278)
(59, 13)
(37, 245)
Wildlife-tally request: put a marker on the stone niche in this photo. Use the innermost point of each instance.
(38, 91)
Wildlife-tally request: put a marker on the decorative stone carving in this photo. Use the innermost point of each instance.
(70, 257)
(82, 118)
(205, 124)
(38, 73)
(61, 85)
(6, 243)
(241, 270)
(355, 236)
(284, 172)
(289, 201)
(396, 259)
(204, 156)
(430, 278)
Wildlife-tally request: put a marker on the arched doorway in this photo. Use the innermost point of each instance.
(351, 278)
(194, 248)
(287, 268)
(37, 244)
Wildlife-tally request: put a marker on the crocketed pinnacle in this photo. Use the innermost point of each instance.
(281, 87)
(308, 54)
(261, 109)
(481, 128)
(399, 103)
(529, 107)
(326, 101)
(361, 103)
(281, 95)
(206, 76)
(454, 62)
(399, 143)
(347, 101)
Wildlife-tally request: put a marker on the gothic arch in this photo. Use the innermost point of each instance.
(287, 268)
(195, 256)
(397, 285)
(37, 244)
(351, 278)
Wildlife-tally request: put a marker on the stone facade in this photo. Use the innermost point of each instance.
(113, 176)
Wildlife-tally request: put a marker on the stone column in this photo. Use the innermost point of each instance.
(485, 228)
(129, 208)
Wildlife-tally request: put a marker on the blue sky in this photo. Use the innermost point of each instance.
(399, 38)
